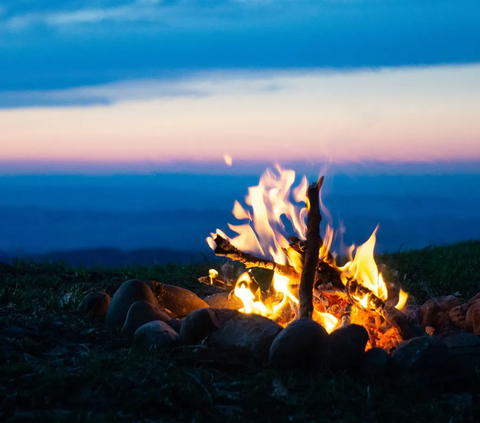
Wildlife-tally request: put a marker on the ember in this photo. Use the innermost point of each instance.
(332, 295)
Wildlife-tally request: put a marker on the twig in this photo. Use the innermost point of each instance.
(226, 249)
(312, 245)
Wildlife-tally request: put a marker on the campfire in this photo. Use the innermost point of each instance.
(308, 282)
(317, 308)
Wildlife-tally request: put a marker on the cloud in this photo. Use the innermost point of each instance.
(55, 45)
(197, 85)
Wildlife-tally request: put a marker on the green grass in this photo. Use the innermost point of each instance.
(57, 365)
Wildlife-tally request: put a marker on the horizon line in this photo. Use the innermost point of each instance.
(239, 167)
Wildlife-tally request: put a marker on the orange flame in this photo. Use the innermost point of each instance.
(269, 206)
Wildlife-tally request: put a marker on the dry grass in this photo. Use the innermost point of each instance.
(57, 365)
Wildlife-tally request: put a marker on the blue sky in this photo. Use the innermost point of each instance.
(147, 86)
(165, 82)
(47, 45)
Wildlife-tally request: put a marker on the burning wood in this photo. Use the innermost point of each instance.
(305, 269)
(312, 250)
(226, 249)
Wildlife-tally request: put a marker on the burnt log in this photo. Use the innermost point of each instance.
(407, 328)
(225, 249)
(312, 250)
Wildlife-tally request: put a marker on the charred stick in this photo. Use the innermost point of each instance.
(346, 316)
(312, 245)
(226, 249)
(326, 274)
(354, 288)
(406, 327)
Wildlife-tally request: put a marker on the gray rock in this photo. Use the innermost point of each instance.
(464, 359)
(346, 347)
(472, 318)
(95, 304)
(249, 332)
(424, 359)
(224, 300)
(129, 292)
(180, 301)
(374, 364)
(156, 334)
(431, 309)
(459, 340)
(141, 312)
(175, 324)
(202, 322)
(300, 344)
(457, 315)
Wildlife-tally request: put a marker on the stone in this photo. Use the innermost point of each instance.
(224, 300)
(141, 312)
(180, 301)
(429, 311)
(95, 304)
(129, 292)
(460, 340)
(424, 360)
(457, 315)
(374, 364)
(464, 360)
(472, 318)
(300, 344)
(248, 332)
(202, 322)
(175, 324)
(346, 347)
(156, 334)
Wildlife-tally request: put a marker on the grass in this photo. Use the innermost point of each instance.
(57, 365)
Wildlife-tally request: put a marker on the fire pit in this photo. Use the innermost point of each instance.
(307, 282)
(314, 312)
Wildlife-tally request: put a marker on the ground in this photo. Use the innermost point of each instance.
(58, 365)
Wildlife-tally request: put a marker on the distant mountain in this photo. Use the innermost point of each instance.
(111, 257)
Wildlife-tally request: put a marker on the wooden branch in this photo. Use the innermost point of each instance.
(346, 316)
(226, 249)
(354, 288)
(312, 245)
(326, 274)
(406, 327)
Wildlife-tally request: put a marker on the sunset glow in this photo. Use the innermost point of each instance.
(408, 114)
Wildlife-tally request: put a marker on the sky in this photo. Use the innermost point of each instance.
(91, 85)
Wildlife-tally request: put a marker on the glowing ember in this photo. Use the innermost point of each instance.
(274, 209)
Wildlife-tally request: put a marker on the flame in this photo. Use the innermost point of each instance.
(270, 206)
(242, 291)
(228, 159)
(402, 299)
(274, 208)
(327, 320)
(212, 274)
(364, 270)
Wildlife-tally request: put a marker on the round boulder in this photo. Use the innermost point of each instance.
(180, 301)
(431, 309)
(95, 304)
(300, 344)
(248, 332)
(423, 359)
(141, 312)
(472, 318)
(156, 334)
(129, 292)
(374, 364)
(346, 347)
(202, 322)
(224, 300)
